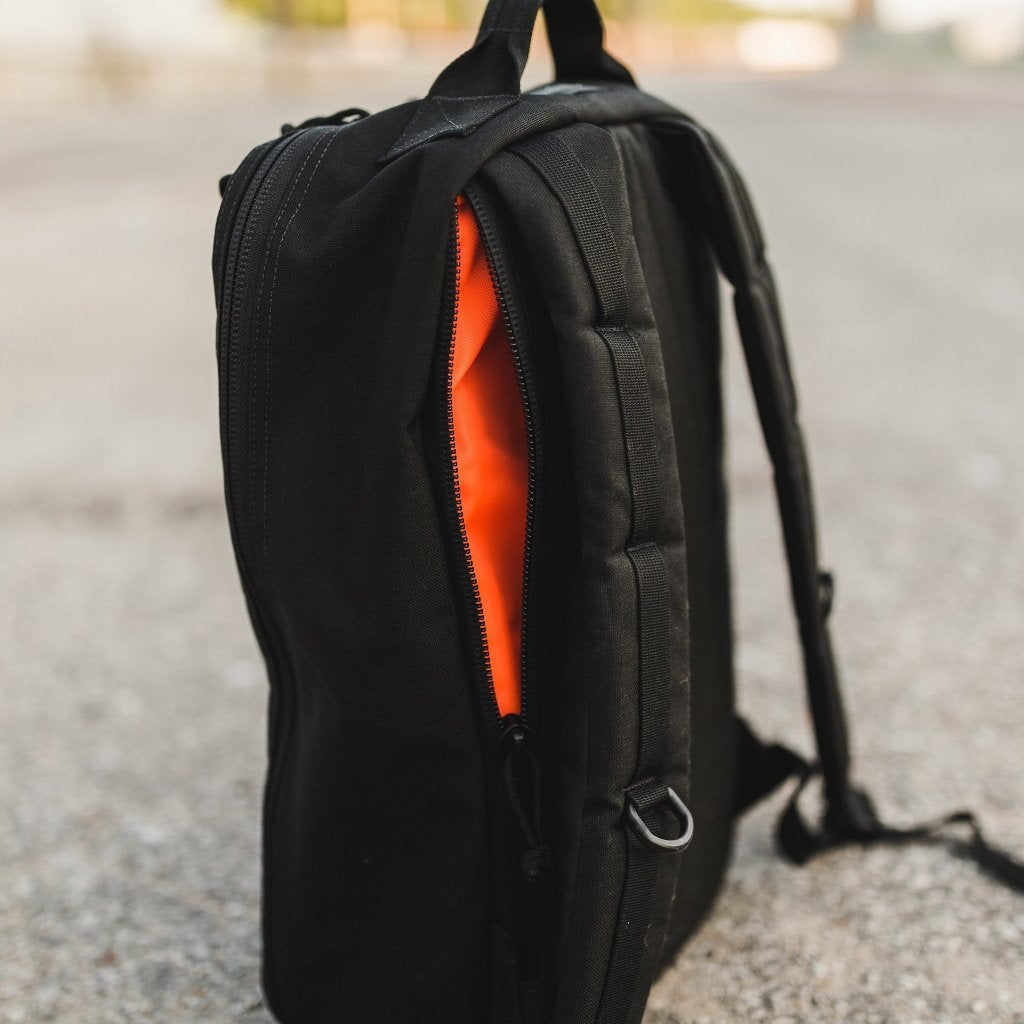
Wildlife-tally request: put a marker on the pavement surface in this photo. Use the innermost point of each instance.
(132, 693)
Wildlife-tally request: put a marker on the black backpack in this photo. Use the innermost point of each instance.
(472, 434)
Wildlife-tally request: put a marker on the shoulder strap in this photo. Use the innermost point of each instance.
(849, 814)
(739, 247)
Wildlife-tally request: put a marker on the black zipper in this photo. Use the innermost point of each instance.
(516, 329)
(235, 260)
(228, 236)
(467, 577)
(515, 734)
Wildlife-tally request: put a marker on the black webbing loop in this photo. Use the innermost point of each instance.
(799, 841)
(761, 767)
(494, 65)
(764, 767)
(486, 79)
(648, 796)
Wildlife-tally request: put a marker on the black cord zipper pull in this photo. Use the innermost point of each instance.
(522, 771)
(341, 118)
(523, 787)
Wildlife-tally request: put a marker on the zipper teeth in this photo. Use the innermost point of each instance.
(239, 219)
(530, 891)
(482, 653)
(501, 287)
(236, 260)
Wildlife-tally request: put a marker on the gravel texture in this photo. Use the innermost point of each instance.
(132, 694)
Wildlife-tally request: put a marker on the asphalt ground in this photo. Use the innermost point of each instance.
(132, 696)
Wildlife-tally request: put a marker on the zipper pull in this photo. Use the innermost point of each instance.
(340, 119)
(522, 776)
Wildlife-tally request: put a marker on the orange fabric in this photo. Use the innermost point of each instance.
(491, 461)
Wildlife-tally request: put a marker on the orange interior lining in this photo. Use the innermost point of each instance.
(491, 460)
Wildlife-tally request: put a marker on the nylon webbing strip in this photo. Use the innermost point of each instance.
(642, 862)
(572, 185)
(638, 428)
(648, 561)
(644, 554)
(509, 16)
(575, 32)
(652, 592)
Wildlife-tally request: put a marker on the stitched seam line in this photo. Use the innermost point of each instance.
(270, 317)
(259, 528)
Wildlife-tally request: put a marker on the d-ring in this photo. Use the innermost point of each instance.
(682, 815)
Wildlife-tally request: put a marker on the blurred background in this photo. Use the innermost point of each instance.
(884, 143)
(122, 47)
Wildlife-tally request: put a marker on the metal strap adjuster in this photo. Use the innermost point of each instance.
(637, 804)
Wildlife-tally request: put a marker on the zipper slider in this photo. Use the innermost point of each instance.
(515, 735)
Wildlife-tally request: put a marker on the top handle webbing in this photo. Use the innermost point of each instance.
(486, 79)
(849, 816)
(495, 63)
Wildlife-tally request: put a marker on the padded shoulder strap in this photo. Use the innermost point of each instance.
(849, 815)
(739, 245)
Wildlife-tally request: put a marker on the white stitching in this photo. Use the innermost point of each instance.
(407, 141)
(270, 317)
(259, 302)
(244, 252)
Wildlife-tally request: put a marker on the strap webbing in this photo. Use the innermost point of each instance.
(850, 816)
(959, 831)
(764, 767)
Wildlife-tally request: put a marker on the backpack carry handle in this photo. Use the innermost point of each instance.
(494, 65)
(486, 79)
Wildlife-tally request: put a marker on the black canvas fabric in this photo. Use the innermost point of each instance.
(425, 861)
